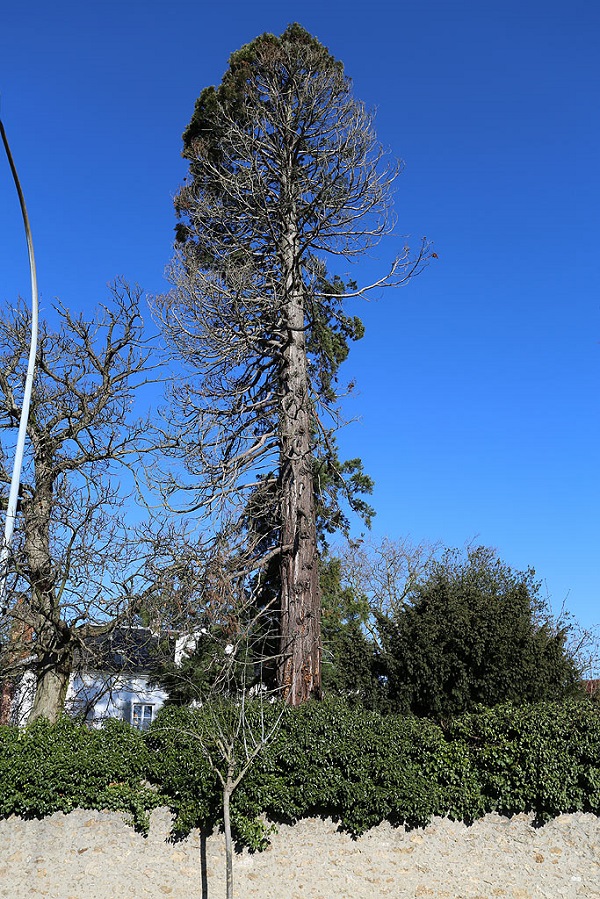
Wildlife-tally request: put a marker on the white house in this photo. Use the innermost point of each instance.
(113, 678)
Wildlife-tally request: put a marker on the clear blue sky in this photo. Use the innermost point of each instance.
(478, 383)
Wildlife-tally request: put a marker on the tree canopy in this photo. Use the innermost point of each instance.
(474, 631)
(73, 571)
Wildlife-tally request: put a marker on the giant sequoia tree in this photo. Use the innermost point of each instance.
(285, 176)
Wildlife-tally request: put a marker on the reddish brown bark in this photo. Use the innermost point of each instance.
(300, 622)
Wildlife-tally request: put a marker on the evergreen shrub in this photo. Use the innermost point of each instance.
(179, 742)
(45, 768)
(542, 758)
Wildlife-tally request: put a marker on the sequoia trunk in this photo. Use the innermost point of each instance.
(300, 621)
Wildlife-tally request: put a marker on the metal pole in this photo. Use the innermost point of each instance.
(11, 512)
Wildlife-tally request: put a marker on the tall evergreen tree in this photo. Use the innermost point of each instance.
(284, 172)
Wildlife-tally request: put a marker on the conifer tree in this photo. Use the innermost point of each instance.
(285, 177)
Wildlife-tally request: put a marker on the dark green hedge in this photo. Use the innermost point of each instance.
(543, 758)
(361, 768)
(46, 768)
(356, 766)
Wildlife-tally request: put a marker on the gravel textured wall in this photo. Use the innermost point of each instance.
(95, 855)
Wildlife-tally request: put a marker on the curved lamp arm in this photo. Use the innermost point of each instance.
(20, 448)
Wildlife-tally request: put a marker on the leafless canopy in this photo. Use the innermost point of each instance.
(72, 567)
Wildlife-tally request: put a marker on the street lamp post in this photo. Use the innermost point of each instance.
(11, 512)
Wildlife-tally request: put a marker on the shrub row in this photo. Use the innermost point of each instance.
(46, 768)
(356, 766)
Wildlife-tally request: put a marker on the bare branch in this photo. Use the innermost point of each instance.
(73, 549)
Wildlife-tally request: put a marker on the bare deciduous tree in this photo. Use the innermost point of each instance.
(74, 572)
(220, 671)
(285, 171)
(385, 572)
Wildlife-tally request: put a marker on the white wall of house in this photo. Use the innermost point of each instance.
(22, 702)
(98, 696)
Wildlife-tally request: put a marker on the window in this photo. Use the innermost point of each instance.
(141, 715)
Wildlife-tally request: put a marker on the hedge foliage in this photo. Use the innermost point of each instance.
(46, 768)
(543, 759)
(356, 766)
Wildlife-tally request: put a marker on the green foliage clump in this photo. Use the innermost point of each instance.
(542, 758)
(360, 768)
(326, 759)
(475, 632)
(356, 766)
(180, 741)
(46, 768)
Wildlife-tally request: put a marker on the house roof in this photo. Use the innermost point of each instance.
(134, 649)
